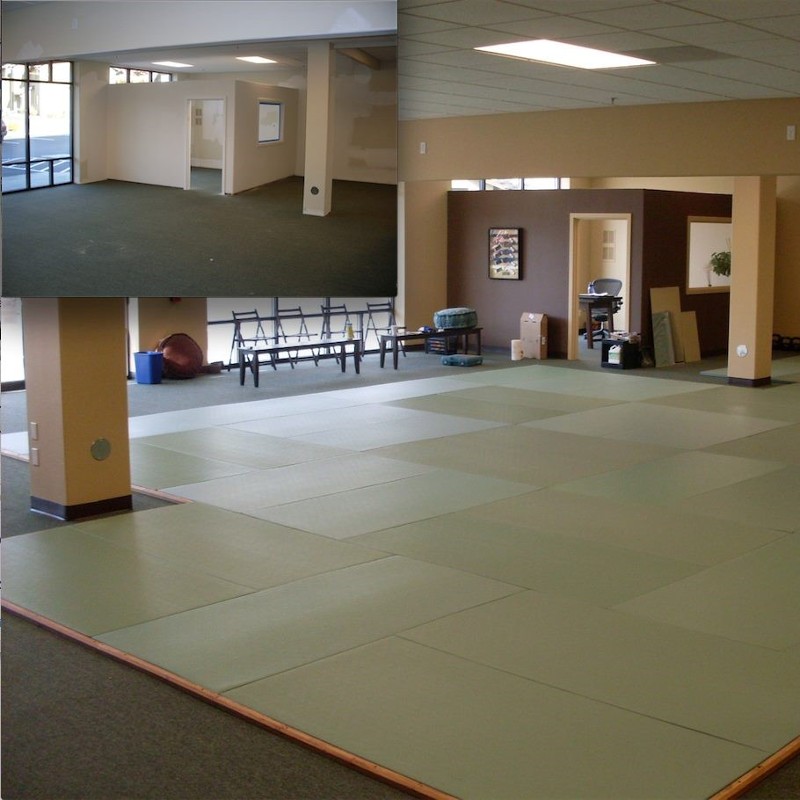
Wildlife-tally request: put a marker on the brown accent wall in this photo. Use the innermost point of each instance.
(658, 257)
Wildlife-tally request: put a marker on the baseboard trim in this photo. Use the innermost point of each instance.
(749, 382)
(81, 510)
(762, 770)
(373, 770)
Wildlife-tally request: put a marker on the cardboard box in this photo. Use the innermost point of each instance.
(533, 333)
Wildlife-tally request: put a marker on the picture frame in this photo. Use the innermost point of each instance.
(504, 254)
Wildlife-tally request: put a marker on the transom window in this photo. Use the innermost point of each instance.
(133, 75)
(495, 184)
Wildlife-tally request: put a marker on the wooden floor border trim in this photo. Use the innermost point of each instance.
(363, 765)
(754, 776)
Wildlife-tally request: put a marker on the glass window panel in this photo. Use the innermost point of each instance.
(62, 171)
(541, 183)
(466, 186)
(14, 119)
(62, 71)
(161, 77)
(39, 72)
(503, 183)
(140, 76)
(117, 75)
(40, 174)
(563, 183)
(17, 71)
(50, 120)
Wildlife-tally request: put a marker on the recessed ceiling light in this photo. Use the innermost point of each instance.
(566, 55)
(256, 59)
(172, 64)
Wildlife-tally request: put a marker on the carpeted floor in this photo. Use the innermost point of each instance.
(548, 553)
(168, 242)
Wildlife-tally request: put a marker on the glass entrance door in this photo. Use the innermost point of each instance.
(36, 125)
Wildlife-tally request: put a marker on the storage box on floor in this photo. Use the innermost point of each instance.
(533, 334)
(149, 366)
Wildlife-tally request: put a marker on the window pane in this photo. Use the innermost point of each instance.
(17, 71)
(50, 119)
(140, 76)
(504, 183)
(161, 77)
(117, 75)
(14, 118)
(466, 186)
(62, 71)
(62, 171)
(40, 174)
(39, 72)
(541, 183)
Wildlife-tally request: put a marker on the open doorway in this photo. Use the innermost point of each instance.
(205, 168)
(600, 247)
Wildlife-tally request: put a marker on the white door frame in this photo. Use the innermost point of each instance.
(575, 290)
(187, 179)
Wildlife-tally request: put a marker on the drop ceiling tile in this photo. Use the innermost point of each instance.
(743, 9)
(467, 12)
(647, 17)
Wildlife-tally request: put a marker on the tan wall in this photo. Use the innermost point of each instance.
(681, 147)
(159, 317)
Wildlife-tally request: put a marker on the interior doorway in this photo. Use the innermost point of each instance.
(600, 247)
(205, 166)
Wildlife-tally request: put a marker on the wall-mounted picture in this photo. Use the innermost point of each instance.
(504, 254)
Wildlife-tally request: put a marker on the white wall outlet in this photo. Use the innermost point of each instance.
(741, 350)
(423, 148)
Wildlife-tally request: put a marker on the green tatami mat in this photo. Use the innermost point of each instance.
(753, 598)
(771, 500)
(155, 467)
(782, 444)
(672, 478)
(480, 733)
(240, 447)
(340, 473)
(592, 571)
(664, 425)
(89, 584)
(531, 398)
(225, 645)
(235, 547)
(780, 366)
(735, 691)
(766, 402)
(412, 427)
(675, 534)
(388, 504)
(523, 453)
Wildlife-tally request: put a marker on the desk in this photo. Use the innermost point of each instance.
(589, 301)
(394, 339)
(249, 356)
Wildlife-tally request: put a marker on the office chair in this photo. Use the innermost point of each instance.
(610, 286)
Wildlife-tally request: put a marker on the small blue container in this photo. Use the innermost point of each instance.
(149, 366)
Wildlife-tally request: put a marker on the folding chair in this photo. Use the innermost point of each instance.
(372, 325)
(301, 335)
(253, 329)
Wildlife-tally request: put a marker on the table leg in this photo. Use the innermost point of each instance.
(255, 370)
(242, 367)
(383, 351)
(357, 357)
(343, 354)
(480, 349)
(395, 350)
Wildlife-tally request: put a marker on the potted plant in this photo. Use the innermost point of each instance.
(721, 263)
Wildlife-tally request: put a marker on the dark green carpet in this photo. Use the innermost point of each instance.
(134, 240)
(79, 726)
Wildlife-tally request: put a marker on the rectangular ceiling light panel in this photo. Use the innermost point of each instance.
(256, 59)
(565, 55)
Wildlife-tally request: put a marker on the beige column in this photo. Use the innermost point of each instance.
(319, 130)
(158, 317)
(423, 255)
(752, 281)
(75, 376)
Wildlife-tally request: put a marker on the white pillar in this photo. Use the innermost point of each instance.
(319, 130)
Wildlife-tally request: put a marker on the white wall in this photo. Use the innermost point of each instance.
(91, 110)
(208, 133)
(255, 164)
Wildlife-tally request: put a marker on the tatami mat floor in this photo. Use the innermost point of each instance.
(510, 584)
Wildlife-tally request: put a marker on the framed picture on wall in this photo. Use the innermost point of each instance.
(504, 254)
